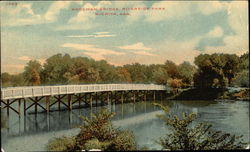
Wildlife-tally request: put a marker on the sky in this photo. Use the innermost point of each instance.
(174, 30)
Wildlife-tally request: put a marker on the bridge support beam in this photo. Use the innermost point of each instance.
(69, 102)
(47, 98)
(122, 96)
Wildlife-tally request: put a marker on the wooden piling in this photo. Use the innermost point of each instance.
(59, 102)
(19, 107)
(154, 95)
(134, 96)
(122, 98)
(91, 98)
(47, 99)
(36, 100)
(24, 106)
(96, 98)
(69, 102)
(8, 110)
(108, 97)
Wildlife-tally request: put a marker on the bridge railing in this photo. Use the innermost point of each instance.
(36, 91)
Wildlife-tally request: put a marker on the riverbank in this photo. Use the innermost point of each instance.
(212, 94)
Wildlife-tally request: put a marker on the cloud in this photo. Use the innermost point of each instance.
(173, 10)
(238, 21)
(54, 10)
(135, 15)
(84, 19)
(217, 31)
(27, 58)
(179, 51)
(136, 46)
(12, 68)
(144, 53)
(24, 58)
(22, 14)
(107, 35)
(97, 34)
(100, 33)
(210, 7)
(92, 51)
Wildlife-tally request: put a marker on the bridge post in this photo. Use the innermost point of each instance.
(59, 102)
(86, 99)
(122, 98)
(91, 98)
(161, 95)
(134, 96)
(8, 110)
(19, 107)
(36, 100)
(145, 95)
(96, 98)
(108, 97)
(111, 97)
(69, 102)
(47, 99)
(154, 95)
(24, 106)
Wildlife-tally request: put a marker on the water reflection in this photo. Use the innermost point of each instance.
(140, 117)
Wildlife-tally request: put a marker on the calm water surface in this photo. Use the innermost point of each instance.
(32, 132)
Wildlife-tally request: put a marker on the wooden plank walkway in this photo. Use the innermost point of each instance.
(38, 91)
(68, 95)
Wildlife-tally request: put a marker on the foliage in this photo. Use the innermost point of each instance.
(186, 135)
(97, 133)
(242, 79)
(186, 72)
(32, 72)
(61, 144)
(216, 70)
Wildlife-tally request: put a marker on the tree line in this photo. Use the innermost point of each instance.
(216, 70)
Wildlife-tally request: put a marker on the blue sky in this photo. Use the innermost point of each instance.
(180, 32)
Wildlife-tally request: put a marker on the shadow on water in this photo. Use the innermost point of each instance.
(55, 120)
(139, 117)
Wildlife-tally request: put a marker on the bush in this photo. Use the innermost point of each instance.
(97, 133)
(185, 135)
(62, 144)
(123, 142)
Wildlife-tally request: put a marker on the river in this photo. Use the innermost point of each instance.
(33, 132)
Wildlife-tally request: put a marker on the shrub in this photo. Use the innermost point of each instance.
(97, 133)
(185, 135)
(62, 144)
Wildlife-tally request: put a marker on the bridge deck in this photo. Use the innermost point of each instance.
(36, 91)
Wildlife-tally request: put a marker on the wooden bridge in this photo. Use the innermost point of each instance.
(47, 96)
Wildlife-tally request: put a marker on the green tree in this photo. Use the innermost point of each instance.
(6, 79)
(55, 69)
(160, 76)
(171, 69)
(137, 72)
(32, 72)
(187, 135)
(97, 133)
(123, 74)
(216, 70)
(186, 72)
